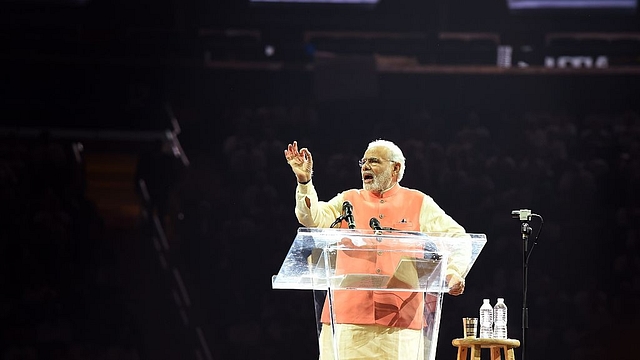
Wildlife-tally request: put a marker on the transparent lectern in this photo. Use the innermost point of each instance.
(389, 279)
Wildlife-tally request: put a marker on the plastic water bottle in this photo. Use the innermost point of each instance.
(486, 320)
(500, 320)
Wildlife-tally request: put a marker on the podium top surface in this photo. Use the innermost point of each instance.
(317, 258)
(329, 234)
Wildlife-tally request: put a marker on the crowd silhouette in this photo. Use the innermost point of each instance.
(577, 170)
(56, 301)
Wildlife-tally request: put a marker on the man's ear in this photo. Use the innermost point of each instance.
(396, 167)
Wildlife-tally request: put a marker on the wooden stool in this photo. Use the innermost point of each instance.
(476, 345)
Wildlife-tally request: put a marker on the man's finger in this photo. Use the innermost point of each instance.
(307, 154)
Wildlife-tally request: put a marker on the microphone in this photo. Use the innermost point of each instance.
(375, 224)
(347, 214)
(522, 215)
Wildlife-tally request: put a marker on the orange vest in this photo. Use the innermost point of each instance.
(398, 208)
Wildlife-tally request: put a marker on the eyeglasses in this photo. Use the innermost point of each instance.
(372, 161)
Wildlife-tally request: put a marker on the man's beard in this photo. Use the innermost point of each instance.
(381, 182)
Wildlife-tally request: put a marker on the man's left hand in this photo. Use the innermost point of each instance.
(456, 284)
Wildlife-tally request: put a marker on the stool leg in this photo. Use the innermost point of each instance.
(495, 353)
(509, 354)
(462, 352)
(476, 352)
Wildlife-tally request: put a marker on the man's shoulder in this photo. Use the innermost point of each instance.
(414, 191)
(352, 192)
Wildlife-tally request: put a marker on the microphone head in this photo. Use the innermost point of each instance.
(375, 224)
(522, 215)
(347, 208)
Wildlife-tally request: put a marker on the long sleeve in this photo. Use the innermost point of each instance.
(319, 213)
(434, 220)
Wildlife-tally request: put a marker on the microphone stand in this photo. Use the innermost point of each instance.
(337, 221)
(525, 230)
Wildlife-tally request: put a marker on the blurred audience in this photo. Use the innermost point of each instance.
(51, 306)
(579, 171)
(230, 218)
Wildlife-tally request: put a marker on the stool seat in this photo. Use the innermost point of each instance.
(475, 345)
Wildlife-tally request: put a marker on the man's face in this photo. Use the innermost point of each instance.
(378, 173)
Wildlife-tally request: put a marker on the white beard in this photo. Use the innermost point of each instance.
(381, 182)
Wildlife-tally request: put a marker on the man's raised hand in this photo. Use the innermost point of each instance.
(300, 161)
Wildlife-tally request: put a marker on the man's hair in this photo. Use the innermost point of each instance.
(396, 153)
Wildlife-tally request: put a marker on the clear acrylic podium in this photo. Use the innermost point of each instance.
(351, 271)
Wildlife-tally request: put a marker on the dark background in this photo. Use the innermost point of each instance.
(146, 202)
